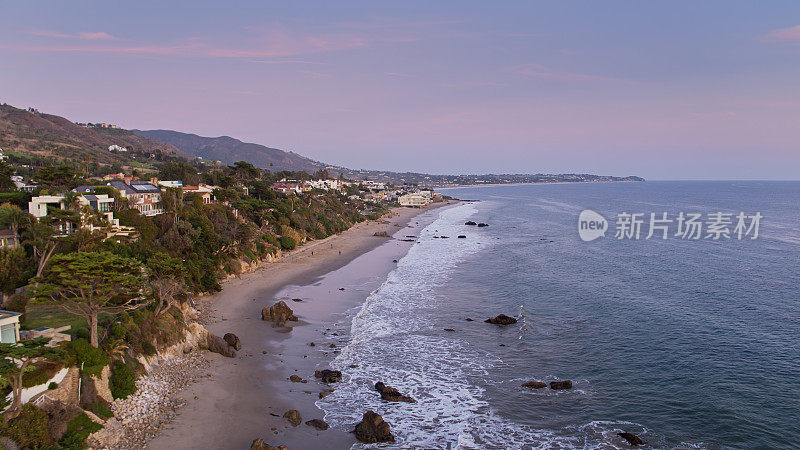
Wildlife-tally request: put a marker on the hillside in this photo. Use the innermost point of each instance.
(45, 135)
(229, 150)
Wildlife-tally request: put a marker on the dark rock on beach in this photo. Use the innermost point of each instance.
(297, 299)
(535, 384)
(318, 424)
(216, 344)
(632, 439)
(468, 319)
(296, 379)
(328, 376)
(502, 319)
(470, 223)
(293, 417)
(232, 340)
(461, 236)
(391, 394)
(381, 234)
(480, 225)
(566, 384)
(259, 444)
(373, 429)
(278, 314)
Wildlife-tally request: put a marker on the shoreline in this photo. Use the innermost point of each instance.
(236, 401)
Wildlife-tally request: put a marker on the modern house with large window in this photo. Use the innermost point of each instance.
(9, 327)
(144, 196)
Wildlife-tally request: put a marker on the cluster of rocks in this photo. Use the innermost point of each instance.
(141, 416)
(328, 376)
(259, 444)
(555, 385)
(471, 223)
(278, 314)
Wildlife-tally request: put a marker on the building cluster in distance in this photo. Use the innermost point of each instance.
(91, 201)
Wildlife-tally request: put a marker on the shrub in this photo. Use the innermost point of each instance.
(78, 429)
(39, 373)
(92, 359)
(118, 330)
(123, 381)
(148, 348)
(52, 385)
(82, 333)
(29, 429)
(101, 409)
(287, 243)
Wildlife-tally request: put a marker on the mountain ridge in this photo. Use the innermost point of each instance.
(229, 150)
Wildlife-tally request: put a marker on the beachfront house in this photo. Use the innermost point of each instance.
(413, 200)
(205, 192)
(143, 196)
(43, 205)
(9, 327)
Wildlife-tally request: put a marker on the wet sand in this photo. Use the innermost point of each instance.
(243, 398)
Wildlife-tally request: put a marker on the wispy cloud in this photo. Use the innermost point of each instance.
(783, 35)
(545, 73)
(270, 44)
(90, 36)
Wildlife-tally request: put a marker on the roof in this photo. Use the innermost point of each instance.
(144, 187)
(7, 233)
(84, 189)
(6, 314)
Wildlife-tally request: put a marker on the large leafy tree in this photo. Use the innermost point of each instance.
(15, 359)
(87, 284)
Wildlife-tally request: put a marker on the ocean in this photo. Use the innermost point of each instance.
(686, 343)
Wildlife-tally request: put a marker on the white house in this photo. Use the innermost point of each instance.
(413, 200)
(21, 184)
(116, 148)
(9, 326)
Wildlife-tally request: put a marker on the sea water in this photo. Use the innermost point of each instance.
(686, 343)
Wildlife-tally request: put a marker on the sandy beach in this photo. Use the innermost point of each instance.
(238, 400)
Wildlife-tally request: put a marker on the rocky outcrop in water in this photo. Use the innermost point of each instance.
(232, 340)
(381, 234)
(632, 439)
(470, 223)
(373, 429)
(502, 319)
(566, 384)
(481, 225)
(391, 394)
(328, 376)
(535, 384)
(278, 314)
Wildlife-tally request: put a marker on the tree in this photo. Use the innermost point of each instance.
(14, 270)
(15, 359)
(89, 283)
(166, 279)
(5, 176)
